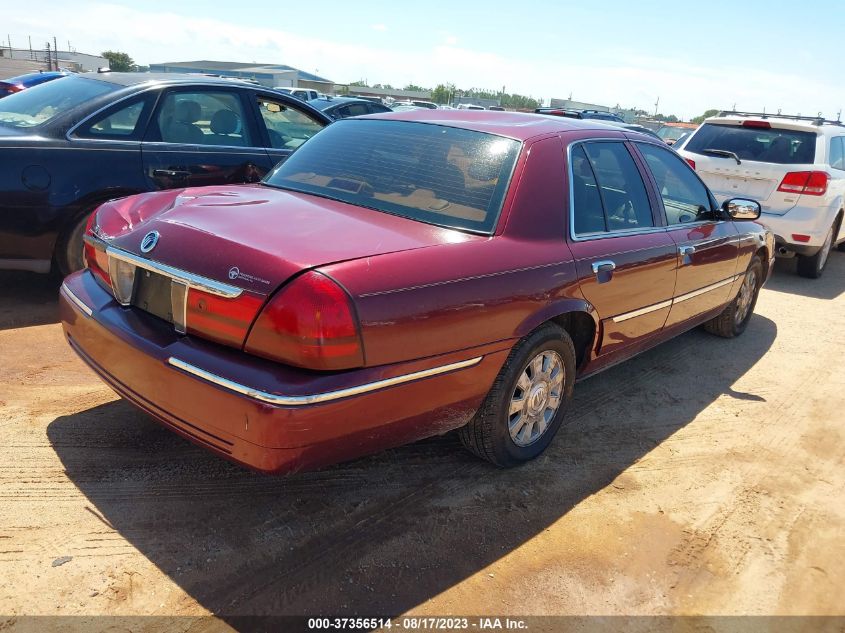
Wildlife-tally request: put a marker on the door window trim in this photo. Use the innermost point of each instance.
(648, 185)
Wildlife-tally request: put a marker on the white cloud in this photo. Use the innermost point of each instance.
(607, 77)
(379, 27)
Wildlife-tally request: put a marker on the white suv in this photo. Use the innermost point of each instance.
(794, 166)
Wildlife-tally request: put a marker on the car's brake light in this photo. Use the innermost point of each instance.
(810, 183)
(221, 319)
(310, 323)
(763, 125)
(691, 162)
(94, 252)
(799, 237)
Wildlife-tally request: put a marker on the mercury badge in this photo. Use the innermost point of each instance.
(149, 241)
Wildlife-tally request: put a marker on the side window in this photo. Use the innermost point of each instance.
(287, 127)
(356, 109)
(116, 124)
(608, 192)
(684, 197)
(837, 152)
(203, 118)
(588, 210)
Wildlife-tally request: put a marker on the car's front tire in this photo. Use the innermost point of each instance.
(733, 320)
(812, 266)
(526, 405)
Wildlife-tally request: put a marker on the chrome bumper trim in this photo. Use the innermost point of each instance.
(182, 276)
(79, 303)
(292, 401)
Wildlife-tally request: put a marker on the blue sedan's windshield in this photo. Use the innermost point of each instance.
(39, 104)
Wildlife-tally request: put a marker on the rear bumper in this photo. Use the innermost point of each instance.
(261, 414)
(813, 222)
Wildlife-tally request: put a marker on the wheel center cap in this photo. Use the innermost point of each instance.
(537, 398)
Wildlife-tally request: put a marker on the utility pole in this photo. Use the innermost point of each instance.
(56, 52)
(31, 55)
(49, 57)
(656, 103)
(9, 41)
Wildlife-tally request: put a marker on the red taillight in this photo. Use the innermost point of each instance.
(763, 125)
(798, 237)
(220, 319)
(691, 162)
(94, 252)
(809, 183)
(310, 323)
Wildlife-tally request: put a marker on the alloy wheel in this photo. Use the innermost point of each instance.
(536, 398)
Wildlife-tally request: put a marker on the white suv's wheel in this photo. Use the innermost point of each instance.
(813, 265)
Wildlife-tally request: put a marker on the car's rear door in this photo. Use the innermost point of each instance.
(625, 260)
(707, 245)
(203, 135)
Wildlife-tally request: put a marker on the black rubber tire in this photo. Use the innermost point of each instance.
(725, 324)
(487, 435)
(812, 266)
(69, 252)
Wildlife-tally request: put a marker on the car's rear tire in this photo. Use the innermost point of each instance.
(812, 266)
(69, 253)
(733, 320)
(533, 389)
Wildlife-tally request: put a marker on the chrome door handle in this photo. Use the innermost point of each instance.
(686, 250)
(603, 266)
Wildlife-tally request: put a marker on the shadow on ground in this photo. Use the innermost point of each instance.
(382, 534)
(28, 299)
(829, 286)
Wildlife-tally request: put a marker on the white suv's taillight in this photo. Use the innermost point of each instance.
(808, 183)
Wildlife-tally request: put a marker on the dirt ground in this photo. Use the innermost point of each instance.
(704, 477)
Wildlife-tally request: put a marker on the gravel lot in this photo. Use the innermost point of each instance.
(705, 476)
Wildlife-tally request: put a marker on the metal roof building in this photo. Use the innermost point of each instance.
(270, 75)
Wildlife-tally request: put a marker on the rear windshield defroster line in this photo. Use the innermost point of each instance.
(437, 174)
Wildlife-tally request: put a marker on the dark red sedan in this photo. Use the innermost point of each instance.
(404, 275)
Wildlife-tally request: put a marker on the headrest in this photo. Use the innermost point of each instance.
(224, 122)
(188, 111)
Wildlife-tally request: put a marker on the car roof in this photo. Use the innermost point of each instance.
(809, 124)
(134, 79)
(37, 75)
(516, 125)
(322, 103)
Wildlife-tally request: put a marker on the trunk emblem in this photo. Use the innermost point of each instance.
(234, 272)
(149, 241)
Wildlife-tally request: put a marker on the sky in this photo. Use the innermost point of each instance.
(691, 56)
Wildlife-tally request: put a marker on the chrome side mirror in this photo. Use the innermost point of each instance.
(742, 209)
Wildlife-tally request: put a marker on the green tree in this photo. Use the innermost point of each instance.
(414, 88)
(442, 93)
(360, 83)
(119, 62)
(700, 119)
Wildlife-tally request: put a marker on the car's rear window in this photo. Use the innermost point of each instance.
(785, 147)
(39, 104)
(436, 174)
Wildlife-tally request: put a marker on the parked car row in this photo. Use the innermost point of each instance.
(292, 283)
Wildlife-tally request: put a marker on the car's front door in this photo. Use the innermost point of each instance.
(203, 136)
(625, 262)
(707, 245)
(284, 126)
